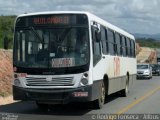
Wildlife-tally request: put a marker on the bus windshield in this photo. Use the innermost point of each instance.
(54, 47)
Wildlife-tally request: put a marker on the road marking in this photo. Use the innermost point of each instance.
(138, 101)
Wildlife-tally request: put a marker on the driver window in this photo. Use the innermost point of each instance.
(96, 48)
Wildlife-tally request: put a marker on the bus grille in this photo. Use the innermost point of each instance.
(60, 81)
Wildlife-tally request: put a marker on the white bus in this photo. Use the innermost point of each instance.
(62, 57)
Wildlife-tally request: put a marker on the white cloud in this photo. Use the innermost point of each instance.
(141, 16)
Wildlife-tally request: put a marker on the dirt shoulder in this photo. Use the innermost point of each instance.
(6, 73)
(6, 100)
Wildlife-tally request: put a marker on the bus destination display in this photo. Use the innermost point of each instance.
(51, 20)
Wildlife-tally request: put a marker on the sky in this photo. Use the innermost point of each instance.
(134, 16)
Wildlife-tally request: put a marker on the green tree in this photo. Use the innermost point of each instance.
(6, 29)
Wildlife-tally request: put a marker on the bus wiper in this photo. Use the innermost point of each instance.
(36, 34)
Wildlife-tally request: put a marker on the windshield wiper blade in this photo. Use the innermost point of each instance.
(36, 34)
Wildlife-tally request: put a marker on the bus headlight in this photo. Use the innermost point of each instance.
(84, 81)
(17, 82)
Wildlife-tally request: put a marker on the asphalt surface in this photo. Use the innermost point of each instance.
(144, 98)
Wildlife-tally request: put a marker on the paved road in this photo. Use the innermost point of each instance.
(144, 97)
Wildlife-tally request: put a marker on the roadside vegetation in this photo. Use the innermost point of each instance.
(149, 42)
(6, 29)
(7, 25)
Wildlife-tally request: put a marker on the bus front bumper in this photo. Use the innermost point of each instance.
(63, 96)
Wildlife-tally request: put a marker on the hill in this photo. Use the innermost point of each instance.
(147, 36)
(149, 42)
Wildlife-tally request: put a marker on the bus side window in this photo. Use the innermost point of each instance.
(118, 43)
(107, 48)
(110, 35)
(103, 39)
(96, 48)
(115, 44)
(134, 51)
(123, 46)
(131, 48)
(128, 47)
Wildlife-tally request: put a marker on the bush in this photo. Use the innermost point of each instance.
(6, 29)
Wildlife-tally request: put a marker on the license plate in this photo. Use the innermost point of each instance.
(80, 94)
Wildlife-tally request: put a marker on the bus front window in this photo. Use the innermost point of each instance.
(51, 48)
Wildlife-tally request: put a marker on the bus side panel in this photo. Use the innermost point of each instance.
(106, 66)
(128, 66)
(117, 78)
(117, 74)
(98, 72)
(114, 79)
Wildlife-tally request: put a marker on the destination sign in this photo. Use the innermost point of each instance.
(51, 20)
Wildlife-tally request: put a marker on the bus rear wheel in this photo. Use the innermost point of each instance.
(98, 104)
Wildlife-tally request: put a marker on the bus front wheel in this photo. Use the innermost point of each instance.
(125, 91)
(98, 104)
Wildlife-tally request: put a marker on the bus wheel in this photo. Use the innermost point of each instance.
(125, 91)
(98, 104)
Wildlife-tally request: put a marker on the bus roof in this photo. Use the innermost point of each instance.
(91, 16)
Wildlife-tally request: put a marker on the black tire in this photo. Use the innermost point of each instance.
(151, 76)
(124, 92)
(98, 104)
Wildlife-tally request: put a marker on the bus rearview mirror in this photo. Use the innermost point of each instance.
(98, 36)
